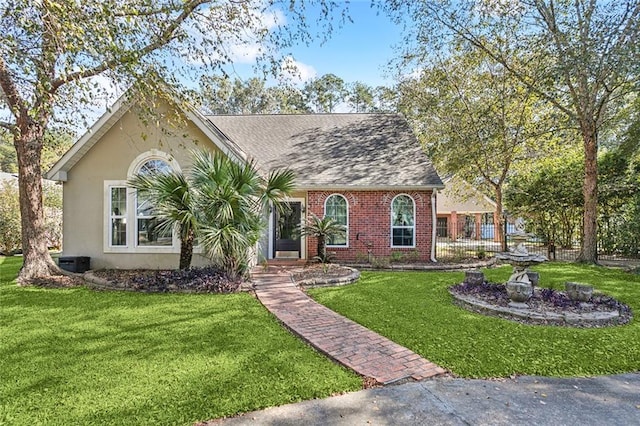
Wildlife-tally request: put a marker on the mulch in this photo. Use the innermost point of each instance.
(58, 281)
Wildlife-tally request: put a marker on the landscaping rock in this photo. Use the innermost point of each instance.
(473, 277)
(546, 306)
(579, 292)
(534, 277)
(519, 292)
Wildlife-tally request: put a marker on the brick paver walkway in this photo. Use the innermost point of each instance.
(343, 340)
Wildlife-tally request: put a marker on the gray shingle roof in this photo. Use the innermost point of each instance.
(334, 150)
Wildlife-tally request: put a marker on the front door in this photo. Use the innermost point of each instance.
(287, 238)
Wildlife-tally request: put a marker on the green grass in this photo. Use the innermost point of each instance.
(75, 356)
(414, 309)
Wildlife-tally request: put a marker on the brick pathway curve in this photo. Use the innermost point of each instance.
(343, 340)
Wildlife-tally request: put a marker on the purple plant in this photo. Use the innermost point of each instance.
(207, 279)
(611, 303)
(556, 298)
(492, 290)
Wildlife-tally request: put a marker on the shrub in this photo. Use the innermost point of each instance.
(10, 233)
(397, 256)
(10, 228)
(481, 253)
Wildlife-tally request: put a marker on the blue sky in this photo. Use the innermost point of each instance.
(356, 51)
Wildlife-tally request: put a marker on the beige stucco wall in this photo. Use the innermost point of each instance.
(109, 159)
(459, 196)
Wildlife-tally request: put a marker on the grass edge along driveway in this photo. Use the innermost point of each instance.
(414, 309)
(76, 356)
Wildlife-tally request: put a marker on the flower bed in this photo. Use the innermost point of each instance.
(194, 280)
(546, 306)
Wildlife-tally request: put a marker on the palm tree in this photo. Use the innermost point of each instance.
(221, 203)
(172, 198)
(322, 229)
(232, 202)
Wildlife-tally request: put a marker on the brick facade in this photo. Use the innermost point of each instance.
(370, 225)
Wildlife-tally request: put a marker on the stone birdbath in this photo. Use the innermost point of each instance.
(520, 284)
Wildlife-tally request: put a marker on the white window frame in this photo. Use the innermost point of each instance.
(112, 216)
(392, 227)
(132, 216)
(346, 244)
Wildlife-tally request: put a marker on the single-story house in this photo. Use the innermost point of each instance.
(465, 212)
(367, 171)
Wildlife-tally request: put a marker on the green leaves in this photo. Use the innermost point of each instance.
(221, 201)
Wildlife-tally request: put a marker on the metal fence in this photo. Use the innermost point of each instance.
(480, 243)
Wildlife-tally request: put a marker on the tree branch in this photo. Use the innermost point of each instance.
(159, 41)
(461, 30)
(6, 125)
(13, 98)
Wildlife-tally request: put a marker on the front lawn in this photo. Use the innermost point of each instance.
(75, 356)
(414, 309)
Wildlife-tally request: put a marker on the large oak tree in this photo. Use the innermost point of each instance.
(477, 121)
(54, 53)
(584, 60)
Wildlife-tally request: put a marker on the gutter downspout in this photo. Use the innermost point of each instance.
(433, 226)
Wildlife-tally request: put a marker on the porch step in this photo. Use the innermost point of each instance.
(287, 254)
(286, 262)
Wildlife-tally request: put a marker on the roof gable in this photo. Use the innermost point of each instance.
(460, 196)
(116, 112)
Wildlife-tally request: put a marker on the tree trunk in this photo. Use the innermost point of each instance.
(36, 259)
(589, 250)
(186, 250)
(322, 248)
(500, 228)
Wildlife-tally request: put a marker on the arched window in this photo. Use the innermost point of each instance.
(148, 231)
(337, 208)
(403, 214)
(132, 224)
(154, 166)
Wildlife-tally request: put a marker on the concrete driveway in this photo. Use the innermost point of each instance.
(605, 400)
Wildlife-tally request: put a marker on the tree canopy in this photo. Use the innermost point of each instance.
(56, 57)
(476, 120)
(325, 94)
(584, 60)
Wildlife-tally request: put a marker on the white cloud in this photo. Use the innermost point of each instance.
(241, 38)
(413, 74)
(245, 53)
(295, 72)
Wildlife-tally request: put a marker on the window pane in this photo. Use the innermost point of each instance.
(155, 166)
(144, 206)
(402, 237)
(340, 240)
(336, 208)
(149, 234)
(118, 201)
(402, 211)
(118, 212)
(118, 232)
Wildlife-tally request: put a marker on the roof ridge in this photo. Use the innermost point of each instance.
(314, 114)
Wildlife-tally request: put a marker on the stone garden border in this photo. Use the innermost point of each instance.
(528, 316)
(353, 276)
